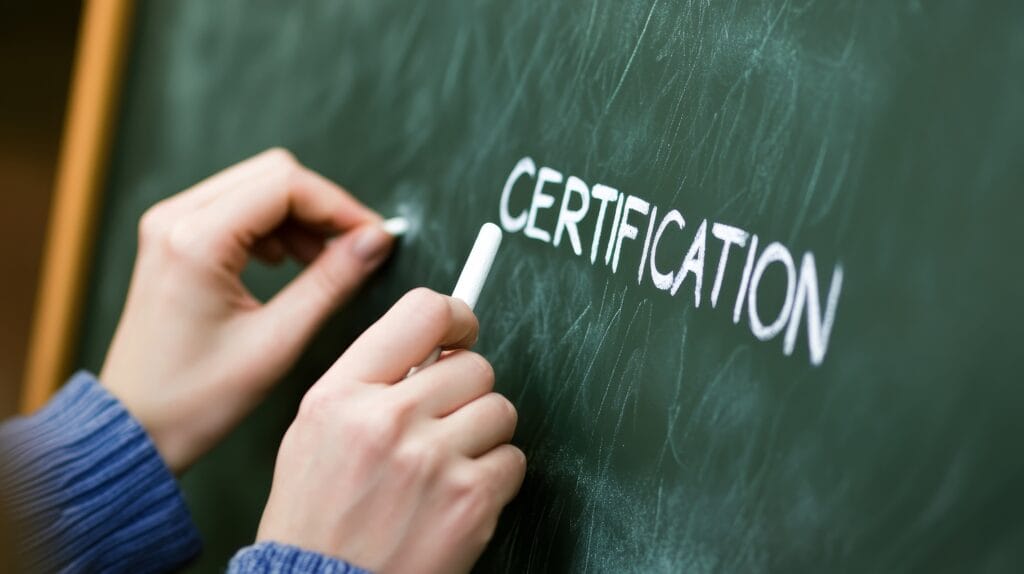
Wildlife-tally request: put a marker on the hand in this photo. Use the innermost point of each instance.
(399, 475)
(194, 350)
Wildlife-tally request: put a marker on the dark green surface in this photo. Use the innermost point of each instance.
(885, 136)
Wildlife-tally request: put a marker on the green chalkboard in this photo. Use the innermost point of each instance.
(843, 393)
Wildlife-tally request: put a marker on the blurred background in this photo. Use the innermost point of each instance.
(37, 44)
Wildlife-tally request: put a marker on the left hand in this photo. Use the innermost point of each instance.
(194, 351)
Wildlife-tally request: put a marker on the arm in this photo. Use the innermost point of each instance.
(193, 353)
(89, 491)
(389, 473)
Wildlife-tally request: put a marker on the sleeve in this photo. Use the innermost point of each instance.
(275, 558)
(88, 490)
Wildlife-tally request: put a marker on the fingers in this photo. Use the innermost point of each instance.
(505, 467)
(271, 193)
(481, 425)
(238, 174)
(447, 385)
(288, 190)
(421, 321)
(334, 274)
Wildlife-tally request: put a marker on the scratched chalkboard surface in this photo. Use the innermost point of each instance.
(760, 297)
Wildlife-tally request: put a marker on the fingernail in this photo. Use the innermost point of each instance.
(371, 243)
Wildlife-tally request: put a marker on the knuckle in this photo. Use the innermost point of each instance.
(482, 370)
(281, 158)
(519, 460)
(516, 466)
(504, 409)
(474, 495)
(377, 430)
(419, 459)
(181, 242)
(153, 224)
(400, 407)
(431, 306)
(481, 487)
(316, 404)
(283, 164)
(513, 463)
(460, 483)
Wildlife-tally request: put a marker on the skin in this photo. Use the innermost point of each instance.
(416, 470)
(388, 474)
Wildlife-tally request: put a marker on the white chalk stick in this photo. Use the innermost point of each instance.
(396, 226)
(474, 275)
(478, 265)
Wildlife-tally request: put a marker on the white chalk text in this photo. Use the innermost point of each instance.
(617, 219)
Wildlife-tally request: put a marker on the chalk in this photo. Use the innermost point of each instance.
(478, 265)
(474, 275)
(396, 226)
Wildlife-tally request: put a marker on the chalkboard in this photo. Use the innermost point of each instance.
(841, 391)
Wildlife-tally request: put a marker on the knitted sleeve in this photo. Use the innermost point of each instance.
(274, 558)
(89, 491)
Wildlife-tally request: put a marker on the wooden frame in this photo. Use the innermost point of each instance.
(81, 169)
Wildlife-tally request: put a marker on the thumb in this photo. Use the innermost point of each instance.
(299, 308)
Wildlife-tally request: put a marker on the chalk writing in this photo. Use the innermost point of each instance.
(801, 302)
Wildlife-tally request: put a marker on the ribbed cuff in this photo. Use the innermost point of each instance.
(276, 558)
(90, 488)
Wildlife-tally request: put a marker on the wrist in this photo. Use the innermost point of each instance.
(161, 435)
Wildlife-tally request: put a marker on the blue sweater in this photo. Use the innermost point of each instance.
(89, 493)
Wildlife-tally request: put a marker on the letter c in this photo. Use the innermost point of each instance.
(661, 280)
(510, 223)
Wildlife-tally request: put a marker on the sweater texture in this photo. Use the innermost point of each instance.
(88, 492)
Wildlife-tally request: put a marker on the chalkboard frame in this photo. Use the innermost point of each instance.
(90, 121)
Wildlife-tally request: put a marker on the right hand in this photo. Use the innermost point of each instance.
(396, 475)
